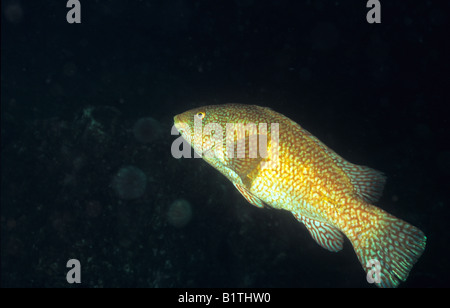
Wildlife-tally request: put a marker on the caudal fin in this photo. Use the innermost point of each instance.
(388, 248)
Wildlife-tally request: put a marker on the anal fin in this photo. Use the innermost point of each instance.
(325, 235)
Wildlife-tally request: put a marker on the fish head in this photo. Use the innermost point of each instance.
(219, 114)
(228, 135)
(190, 124)
(205, 127)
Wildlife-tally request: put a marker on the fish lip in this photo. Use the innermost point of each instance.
(179, 124)
(177, 121)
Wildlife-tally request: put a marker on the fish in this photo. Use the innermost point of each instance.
(294, 171)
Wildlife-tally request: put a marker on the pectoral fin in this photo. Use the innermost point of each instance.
(249, 196)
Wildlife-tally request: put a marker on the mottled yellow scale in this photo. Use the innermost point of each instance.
(329, 195)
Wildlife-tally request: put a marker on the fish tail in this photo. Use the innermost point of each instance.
(386, 246)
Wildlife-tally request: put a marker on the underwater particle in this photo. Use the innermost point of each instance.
(14, 246)
(443, 162)
(179, 213)
(93, 209)
(325, 36)
(11, 224)
(423, 131)
(69, 69)
(96, 128)
(129, 183)
(305, 74)
(13, 12)
(146, 130)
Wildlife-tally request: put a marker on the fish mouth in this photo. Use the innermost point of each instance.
(180, 125)
(177, 122)
(176, 119)
(180, 118)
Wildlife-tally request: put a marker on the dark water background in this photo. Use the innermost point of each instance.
(81, 179)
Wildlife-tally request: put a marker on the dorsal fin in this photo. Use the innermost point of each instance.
(324, 234)
(368, 182)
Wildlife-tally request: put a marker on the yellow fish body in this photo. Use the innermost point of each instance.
(329, 195)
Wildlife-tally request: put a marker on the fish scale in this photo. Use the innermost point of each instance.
(332, 197)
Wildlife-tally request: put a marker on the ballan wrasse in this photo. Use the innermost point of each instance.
(296, 172)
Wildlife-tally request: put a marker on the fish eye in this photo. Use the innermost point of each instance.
(200, 115)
